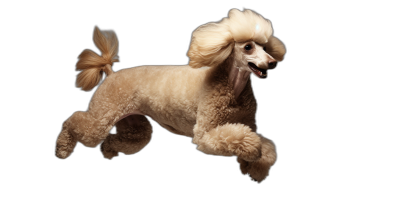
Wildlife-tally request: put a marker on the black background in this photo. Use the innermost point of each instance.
(294, 110)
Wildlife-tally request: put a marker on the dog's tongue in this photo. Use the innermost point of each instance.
(261, 74)
(258, 73)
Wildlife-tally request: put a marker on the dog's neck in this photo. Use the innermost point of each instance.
(238, 77)
(229, 74)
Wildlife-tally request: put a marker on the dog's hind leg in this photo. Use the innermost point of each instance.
(86, 128)
(133, 134)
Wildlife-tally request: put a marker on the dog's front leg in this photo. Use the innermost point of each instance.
(229, 140)
(214, 135)
(259, 169)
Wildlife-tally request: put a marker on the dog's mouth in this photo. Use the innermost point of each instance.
(262, 73)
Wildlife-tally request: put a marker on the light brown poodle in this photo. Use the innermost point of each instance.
(210, 100)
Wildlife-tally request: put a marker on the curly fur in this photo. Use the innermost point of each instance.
(198, 103)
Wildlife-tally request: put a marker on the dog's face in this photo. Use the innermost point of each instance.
(252, 57)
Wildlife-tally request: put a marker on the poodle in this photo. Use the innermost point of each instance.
(210, 99)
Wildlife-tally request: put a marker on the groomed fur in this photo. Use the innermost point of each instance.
(249, 25)
(212, 43)
(92, 65)
(198, 103)
(275, 48)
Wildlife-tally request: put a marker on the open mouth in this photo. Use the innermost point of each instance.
(262, 73)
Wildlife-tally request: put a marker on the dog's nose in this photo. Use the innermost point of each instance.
(272, 65)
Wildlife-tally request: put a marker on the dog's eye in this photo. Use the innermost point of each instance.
(247, 47)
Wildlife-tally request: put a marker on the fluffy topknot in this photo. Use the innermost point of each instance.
(249, 25)
(212, 43)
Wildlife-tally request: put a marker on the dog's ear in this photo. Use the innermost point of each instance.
(211, 44)
(275, 48)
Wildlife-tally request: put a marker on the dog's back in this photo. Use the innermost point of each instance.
(161, 92)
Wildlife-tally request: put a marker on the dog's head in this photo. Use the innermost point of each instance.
(246, 35)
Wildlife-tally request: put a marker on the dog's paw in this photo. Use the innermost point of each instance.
(109, 154)
(62, 153)
(235, 139)
(107, 150)
(243, 165)
(65, 145)
(247, 147)
(258, 170)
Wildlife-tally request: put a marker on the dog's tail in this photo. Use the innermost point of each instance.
(93, 65)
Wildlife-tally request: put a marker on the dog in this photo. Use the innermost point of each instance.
(210, 99)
